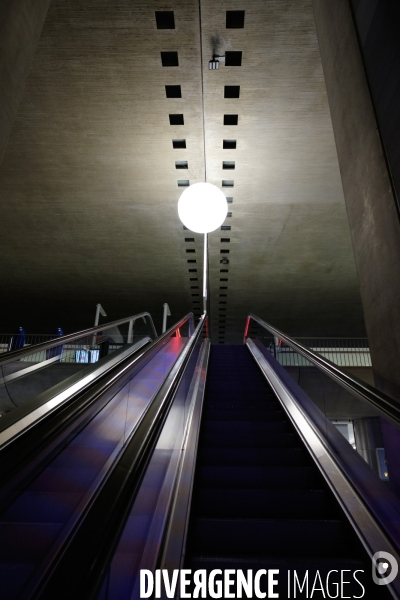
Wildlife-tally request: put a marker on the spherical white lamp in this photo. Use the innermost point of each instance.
(202, 207)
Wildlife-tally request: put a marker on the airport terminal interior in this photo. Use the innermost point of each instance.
(190, 412)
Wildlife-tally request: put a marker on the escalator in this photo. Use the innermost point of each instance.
(34, 526)
(197, 457)
(55, 470)
(259, 502)
(256, 492)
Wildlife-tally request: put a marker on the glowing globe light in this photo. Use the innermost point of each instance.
(202, 207)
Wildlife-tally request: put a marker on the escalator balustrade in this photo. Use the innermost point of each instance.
(259, 501)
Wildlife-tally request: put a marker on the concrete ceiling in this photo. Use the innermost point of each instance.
(88, 185)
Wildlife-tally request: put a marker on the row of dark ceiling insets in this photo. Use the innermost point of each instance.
(233, 19)
(223, 289)
(165, 19)
(226, 144)
(171, 59)
(222, 311)
(194, 289)
(226, 164)
(178, 119)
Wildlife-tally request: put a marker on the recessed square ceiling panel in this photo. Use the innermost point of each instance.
(235, 19)
(233, 58)
(173, 91)
(176, 119)
(231, 119)
(231, 91)
(165, 19)
(179, 143)
(169, 59)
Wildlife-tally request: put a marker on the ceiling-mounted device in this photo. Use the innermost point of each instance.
(213, 64)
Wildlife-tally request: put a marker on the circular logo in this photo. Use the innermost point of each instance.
(384, 568)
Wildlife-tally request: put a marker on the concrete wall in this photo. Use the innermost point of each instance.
(371, 208)
(21, 22)
(378, 25)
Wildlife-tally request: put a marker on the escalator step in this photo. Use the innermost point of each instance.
(238, 396)
(246, 427)
(253, 456)
(242, 402)
(258, 477)
(243, 415)
(258, 440)
(251, 404)
(259, 503)
(232, 384)
(298, 563)
(254, 537)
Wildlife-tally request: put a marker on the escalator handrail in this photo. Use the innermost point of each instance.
(387, 406)
(91, 549)
(9, 357)
(13, 427)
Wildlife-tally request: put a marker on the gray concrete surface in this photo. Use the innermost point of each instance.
(88, 185)
(373, 219)
(21, 23)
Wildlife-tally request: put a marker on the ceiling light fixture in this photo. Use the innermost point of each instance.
(203, 208)
(213, 64)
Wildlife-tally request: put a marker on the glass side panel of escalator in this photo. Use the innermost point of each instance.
(33, 380)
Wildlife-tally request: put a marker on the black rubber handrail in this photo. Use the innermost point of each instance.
(9, 357)
(387, 406)
(90, 548)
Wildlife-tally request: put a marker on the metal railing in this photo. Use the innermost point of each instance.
(387, 407)
(69, 353)
(54, 342)
(7, 340)
(343, 352)
(14, 428)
